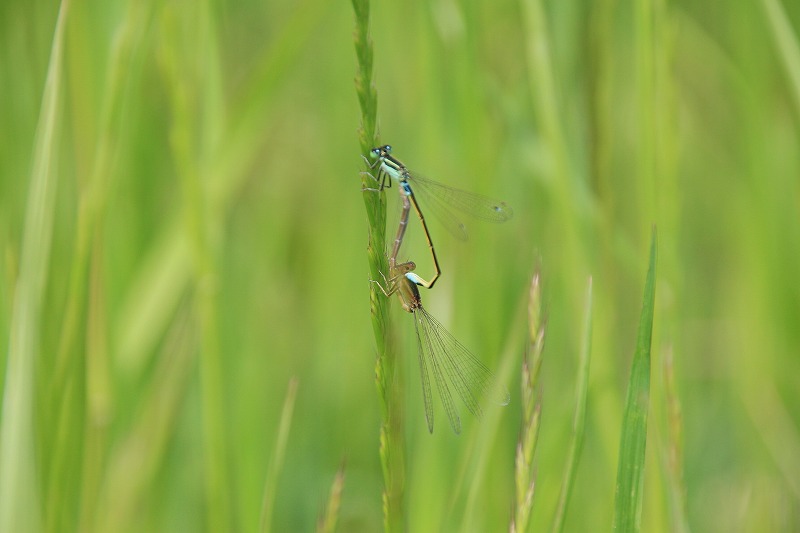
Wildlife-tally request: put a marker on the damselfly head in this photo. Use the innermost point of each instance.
(380, 151)
(403, 268)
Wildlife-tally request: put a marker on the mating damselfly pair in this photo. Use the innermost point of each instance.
(453, 366)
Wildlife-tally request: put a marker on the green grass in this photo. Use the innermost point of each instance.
(629, 494)
(183, 232)
(579, 418)
(19, 492)
(276, 461)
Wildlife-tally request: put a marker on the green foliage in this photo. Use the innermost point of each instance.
(18, 491)
(579, 418)
(630, 468)
(327, 522)
(183, 231)
(276, 460)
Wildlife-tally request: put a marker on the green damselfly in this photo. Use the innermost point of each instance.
(440, 199)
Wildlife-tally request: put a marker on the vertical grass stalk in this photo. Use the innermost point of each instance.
(130, 477)
(84, 317)
(276, 460)
(630, 469)
(786, 43)
(188, 60)
(531, 411)
(327, 522)
(646, 106)
(387, 380)
(18, 490)
(580, 415)
(676, 489)
(549, 115)
(154, 295)
(99, 392)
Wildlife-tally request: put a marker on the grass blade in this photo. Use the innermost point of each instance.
(18, 491)
(327, 522)
(546, 92)
(478, 451)
(154, 296)
(82, 346)
(676, 489)
(276, 461)
(135, 462)
(630, 470)
(190, 38)
(786, 43)
(773, 424)
(580, 415)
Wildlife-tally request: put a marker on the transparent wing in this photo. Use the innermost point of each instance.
(423, 372)
(442, 199)
(455, 367)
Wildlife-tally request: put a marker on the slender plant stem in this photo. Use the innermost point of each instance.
(196, 109)
(327, 522)
(545, 92)
(136, 461)
(276, 460)
(388, 383)
(786, 43)
(152, 299)
(673, 455)
(578, 423)
(18, 484)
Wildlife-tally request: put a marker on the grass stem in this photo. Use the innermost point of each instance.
(19, 492)
(579, 419)
(194, 110)
(389, 386)
(276, 460)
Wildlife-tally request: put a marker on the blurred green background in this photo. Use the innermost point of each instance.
(197, 165)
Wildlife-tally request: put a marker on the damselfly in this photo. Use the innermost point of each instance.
(453, 365)
(440, 199)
